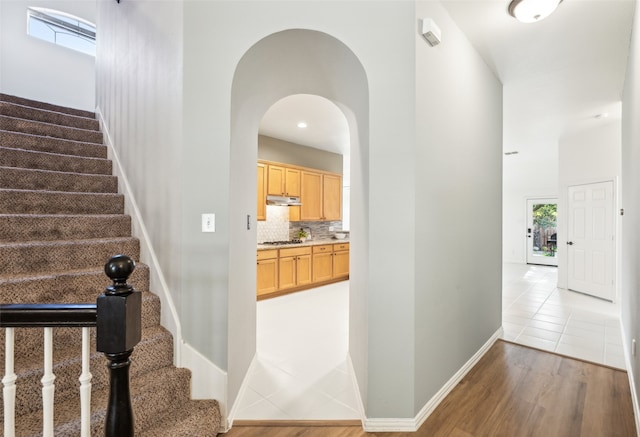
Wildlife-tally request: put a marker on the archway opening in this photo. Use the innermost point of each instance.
(285, 63)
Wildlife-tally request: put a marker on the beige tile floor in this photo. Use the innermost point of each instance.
(536, 313)
(301, 369)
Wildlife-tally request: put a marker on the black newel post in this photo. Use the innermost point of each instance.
(118, 331)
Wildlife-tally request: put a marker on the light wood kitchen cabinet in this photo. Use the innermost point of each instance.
(261, 213)
(322, 263)
(283, 181)
(341, 260)
(321, 196)
(267, 271)
(311, 196)
(294, 267)
(331, 197)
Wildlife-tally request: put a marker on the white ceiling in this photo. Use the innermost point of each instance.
(326, 129)
(558, 74)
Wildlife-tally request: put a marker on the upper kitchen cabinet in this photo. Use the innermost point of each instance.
(283, 181)
(262, 192)
(321, 196)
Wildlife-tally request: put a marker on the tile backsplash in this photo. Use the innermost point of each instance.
(277, 226)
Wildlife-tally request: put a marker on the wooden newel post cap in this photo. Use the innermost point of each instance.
(118, 269)
(119, 309)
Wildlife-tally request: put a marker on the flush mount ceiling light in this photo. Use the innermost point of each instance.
(302, 125)
(531, 11)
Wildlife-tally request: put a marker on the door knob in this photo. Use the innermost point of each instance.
(570, 243)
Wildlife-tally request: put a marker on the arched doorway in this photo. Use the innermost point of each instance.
(292, 62)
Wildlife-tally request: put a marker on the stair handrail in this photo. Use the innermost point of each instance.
(117, 316)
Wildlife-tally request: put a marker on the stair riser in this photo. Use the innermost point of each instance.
(56, 227)
(155, 353)
(27, 159)
(34, 202)
(27, 113)
(58, 257)
(46, 106)
(49, 130)
(17, 140)
(20, 179)
(83, 287)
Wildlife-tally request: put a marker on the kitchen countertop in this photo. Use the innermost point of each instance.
(305, 244)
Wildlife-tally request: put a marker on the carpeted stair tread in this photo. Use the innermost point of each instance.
(46, 106)
(36, 114)
(46, 256)
(25, 141)
(47, 227)
(199, 418)
(56, 202)
(29, 159)
(149, 399)
(81, 285)
(49, 130)
(27, 179)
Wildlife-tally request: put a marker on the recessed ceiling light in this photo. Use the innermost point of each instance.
(302, 125)
(531, 11)
(603, 115)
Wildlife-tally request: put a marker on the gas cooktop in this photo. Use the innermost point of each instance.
(280, 243)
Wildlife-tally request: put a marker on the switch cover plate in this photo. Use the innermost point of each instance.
(208, 222)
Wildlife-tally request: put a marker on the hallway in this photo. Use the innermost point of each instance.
(538, 314)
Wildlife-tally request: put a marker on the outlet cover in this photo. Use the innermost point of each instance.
(208, 222)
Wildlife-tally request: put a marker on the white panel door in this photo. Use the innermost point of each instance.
(590, 239)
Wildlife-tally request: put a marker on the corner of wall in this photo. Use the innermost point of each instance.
(413, 424)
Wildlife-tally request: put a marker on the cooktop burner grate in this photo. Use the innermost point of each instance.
(280, 243)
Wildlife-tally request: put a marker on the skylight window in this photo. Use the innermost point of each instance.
(62, 29)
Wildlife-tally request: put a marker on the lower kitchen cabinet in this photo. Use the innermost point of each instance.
(267, 271)
(341, 260)
(322, 263)
(294, 267)
(282, 271)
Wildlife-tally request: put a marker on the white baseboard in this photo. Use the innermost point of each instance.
(413, 424)
(169, 314)
(632, 384)
(208, 381)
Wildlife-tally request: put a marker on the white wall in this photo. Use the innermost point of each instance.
(630, 238)
(593, 155)
(524, 177)
(188, 137)
(39, 70)
(458, 204)
(139, 96)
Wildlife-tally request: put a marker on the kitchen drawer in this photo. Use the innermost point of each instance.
(295, 251)
(340, 246)
(267, 254)
(325, 248)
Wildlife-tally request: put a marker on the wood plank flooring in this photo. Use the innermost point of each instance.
(512, 391)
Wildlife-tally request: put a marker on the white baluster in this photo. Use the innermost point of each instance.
(85, 387)
(9, 385)
(48, 388)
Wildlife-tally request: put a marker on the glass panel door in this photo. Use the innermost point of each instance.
(542, 231)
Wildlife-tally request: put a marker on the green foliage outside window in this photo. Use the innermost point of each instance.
(545, 214)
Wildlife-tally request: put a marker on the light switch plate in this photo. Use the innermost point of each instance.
(208, 222)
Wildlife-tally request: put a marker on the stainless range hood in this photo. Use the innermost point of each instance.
(283, 201)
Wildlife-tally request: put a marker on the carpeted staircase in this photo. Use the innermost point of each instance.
(61, 218)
